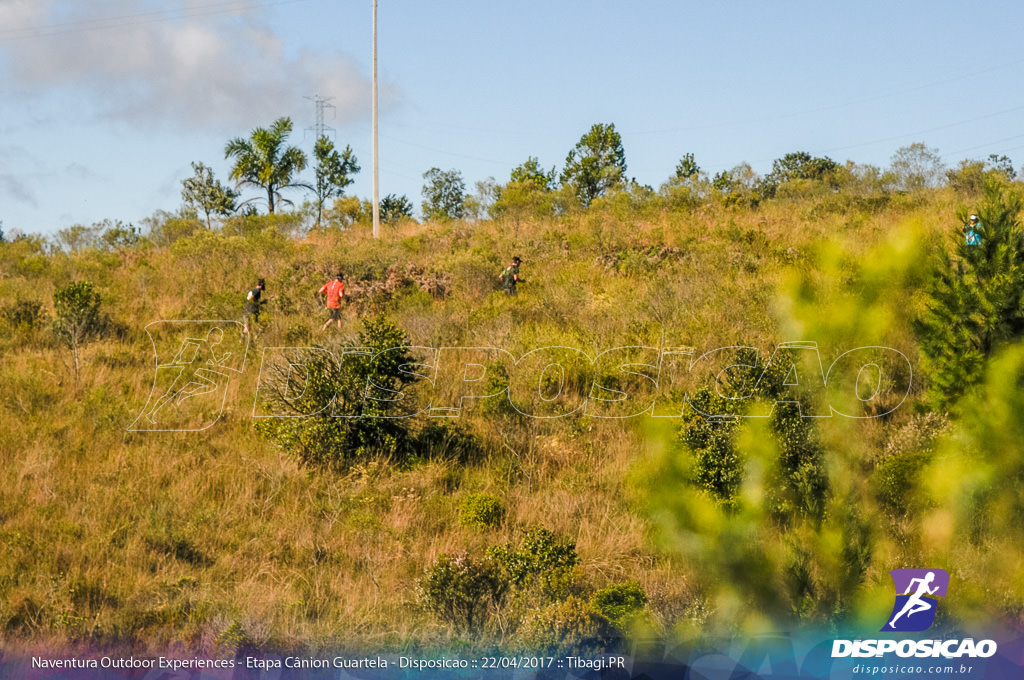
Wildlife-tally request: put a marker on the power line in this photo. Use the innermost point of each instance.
(982, 146)
(921, 132)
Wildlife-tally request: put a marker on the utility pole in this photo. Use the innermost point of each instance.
(376, 174)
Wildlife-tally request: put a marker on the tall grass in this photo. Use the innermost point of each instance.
(161, 539)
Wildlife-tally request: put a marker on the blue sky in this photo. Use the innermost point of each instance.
(106, 102)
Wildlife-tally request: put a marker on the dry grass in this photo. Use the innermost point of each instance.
(169, 538)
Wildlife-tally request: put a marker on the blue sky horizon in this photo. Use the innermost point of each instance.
(107, 102)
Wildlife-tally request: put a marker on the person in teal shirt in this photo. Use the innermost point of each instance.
(972, 235)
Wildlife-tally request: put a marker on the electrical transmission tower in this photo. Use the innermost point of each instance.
(321, 103)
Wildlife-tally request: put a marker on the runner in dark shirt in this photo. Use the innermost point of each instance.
(510, 276)
(252, 305)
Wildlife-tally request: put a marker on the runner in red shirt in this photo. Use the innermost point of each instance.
(335, 292)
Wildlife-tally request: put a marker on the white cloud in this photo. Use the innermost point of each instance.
(171, 63)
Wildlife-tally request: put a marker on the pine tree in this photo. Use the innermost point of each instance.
(975, 298)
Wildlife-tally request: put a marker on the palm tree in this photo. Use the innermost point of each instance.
(264, 161)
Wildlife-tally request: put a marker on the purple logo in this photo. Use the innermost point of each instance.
(916, 603)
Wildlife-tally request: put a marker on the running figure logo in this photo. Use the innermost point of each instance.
(195, 361)
(916, 603)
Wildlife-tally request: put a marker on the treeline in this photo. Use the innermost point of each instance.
(595, 170)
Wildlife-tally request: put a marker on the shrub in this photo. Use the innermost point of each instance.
(501, 405)
(233, 640)
(78, 319)
(460, 589)
(480, 510)
(894, 480)
(972, 303)
(800, 481)
(23, 315)
(165, 230)
(565, 628)
(717, 466)
(371, 427)
(542, 558)
(620, 603)
(448, 441)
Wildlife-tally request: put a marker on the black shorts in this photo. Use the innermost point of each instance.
(251, 312)
(335, 313)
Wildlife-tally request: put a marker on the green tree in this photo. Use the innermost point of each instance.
(479, 204)
(394, 208)
(77, 238)
(687, 186)
(798, 165)
(78, 320)
(522, 199)
(202, 192)
(974, 299)
(528, 192)
(333, 172)
(723, 181)
(530, 171)
(916, 167)
(968, 178)
(717, 466)
(266, 162)
(119, 237)
(461, 590)
(687, 168)
(443, 195)
(1002, 164)
(164, 228)
(738, 186)
(596, 164)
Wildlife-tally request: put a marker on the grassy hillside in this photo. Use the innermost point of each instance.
(220, 539)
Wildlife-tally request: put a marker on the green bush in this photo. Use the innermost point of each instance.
(800, 484)
(501, 405)
(23, 315)
(233, 640)
(448, 441)
(460, 589)
(566, 628)
(894, 480)
(543, 559)
(620, 603)
(480, 510)
(370, 427)
(972, 298)
(78, 319)
(717, 466)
